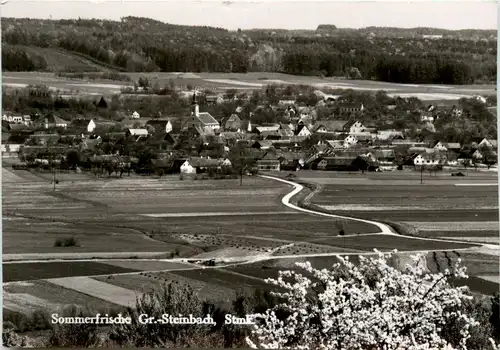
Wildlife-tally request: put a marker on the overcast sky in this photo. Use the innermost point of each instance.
(291, 14)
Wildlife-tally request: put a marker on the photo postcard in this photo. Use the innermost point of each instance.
(235, 174)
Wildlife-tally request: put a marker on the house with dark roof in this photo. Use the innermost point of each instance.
(232, 123)
(340, 163)
(198, 165)
(351, 108)
(302, 130)
(161, 125)
(269, 162)
(51, 121)
(448, 146)
(214, 99)
(325, 126)
(291, 160)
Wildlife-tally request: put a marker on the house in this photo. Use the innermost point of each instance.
(351, 108)
(334, 145)
(161, 124)
(365, 163)
(52, 121)
(291, 160)
(355, 127)
(261, 129)
(490, 143)
(135, 115)
(302, 130)
(137, 132)
(389, 134)
(264, 144)
(18, 127)
(426, 159)
(198, 165)
(42, 139)
(162, 140)
(269, 162)
(286, 102)
(383, 155)
(448, 146)
(343, 163)
(214, 99)
(233, 123)
(350, 140)
(427, 119)
(324, 126)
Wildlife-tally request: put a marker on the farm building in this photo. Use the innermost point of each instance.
(335, 163)
(198, 165)
(270, 162)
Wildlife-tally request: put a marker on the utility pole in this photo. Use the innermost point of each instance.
(421, 173)
(241, 167)
(53, 172)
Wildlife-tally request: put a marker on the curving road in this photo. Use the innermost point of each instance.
(384, 229)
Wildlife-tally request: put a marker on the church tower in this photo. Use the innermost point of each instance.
(195, 108)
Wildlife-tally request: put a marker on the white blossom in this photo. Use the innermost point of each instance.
(369, 305)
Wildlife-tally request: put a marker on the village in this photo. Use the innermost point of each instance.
(199, 146)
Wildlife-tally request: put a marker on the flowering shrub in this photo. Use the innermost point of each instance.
(367, 306)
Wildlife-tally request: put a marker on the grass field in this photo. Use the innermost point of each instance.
(240, 81)
(60, 60)
(36, 271)
(210, 219)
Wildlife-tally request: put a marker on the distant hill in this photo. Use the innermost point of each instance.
(144, 45)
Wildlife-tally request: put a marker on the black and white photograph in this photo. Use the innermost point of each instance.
(250, 174)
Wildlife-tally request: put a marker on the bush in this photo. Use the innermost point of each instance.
(66, 242)
(171, 299)
(75, 335)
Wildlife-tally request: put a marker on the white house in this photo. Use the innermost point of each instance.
(356, 128)
(91, 126)
(17, 119)
(26, 119)
(488, 143)
(168, 127)
(425, 160)
(304, 131)
(187, 168)
(441, 146)
(428, 119)
(135, 115)
(350, 141)
(138, 132)
(477, 155)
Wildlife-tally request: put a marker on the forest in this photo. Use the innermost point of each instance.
(145, 45)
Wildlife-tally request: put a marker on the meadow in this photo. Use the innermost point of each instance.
(247, 81)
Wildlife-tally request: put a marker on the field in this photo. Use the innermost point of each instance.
(437, 207)
(146, 231)
(249, 81)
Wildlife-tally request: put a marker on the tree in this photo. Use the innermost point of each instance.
(495, 316)
(241, 160)
(73, 158)
(370, 305)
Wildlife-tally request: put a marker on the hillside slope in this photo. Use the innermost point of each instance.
(59, 60)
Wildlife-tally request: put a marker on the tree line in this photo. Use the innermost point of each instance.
(140, 44)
